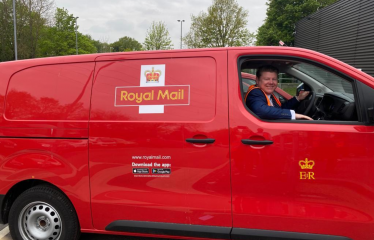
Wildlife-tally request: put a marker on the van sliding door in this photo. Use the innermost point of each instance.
(159, 143)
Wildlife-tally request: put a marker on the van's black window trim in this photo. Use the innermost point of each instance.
(358, 98)
(365, 91)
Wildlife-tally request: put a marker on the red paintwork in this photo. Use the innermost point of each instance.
(73, 137)
(35, 107)
(197, 192)
(248, 75)
(49, 111)
(62, 163)
(267, 192)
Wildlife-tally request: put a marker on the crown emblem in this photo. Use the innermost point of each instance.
(152, 76)
(306, 164)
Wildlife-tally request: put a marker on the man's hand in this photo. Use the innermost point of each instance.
(301, 116)
(302, 95)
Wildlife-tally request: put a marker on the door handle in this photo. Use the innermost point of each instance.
(206, 140)
(256, 142)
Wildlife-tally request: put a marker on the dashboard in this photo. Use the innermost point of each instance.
(336, 106)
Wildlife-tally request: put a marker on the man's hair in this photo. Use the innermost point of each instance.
(266, 68)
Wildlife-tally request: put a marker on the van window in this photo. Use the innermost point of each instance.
(54, 92)
(331, 96)
(179, 89)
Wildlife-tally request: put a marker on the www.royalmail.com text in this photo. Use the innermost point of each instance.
(159, 157)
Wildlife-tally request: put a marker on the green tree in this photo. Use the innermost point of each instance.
(100, 46)
(223, 25)
(6, 32)
(86, 44)
(157, 37)
(60, 38)
(126, 44)
(32, 16)
(281, 17)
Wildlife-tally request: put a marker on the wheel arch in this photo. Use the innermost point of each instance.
(56, 164)
(17, 190)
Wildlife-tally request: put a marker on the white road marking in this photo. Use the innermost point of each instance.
(4, 232)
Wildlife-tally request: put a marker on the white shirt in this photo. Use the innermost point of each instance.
(293, 116)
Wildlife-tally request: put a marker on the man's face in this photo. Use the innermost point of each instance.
(268, 82)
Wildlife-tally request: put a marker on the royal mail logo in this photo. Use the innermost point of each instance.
(166, 95)
(307, 166)
(152, 76)
(152, 95)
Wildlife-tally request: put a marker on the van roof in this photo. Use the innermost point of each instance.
(294, 51)
(94, 56)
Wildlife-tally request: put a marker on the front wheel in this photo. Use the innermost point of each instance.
(43, 213)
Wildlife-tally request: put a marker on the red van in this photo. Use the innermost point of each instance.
(161, 144)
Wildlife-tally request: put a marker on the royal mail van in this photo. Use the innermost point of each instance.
(162, 144)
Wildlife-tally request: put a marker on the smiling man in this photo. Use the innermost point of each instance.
(261, 100)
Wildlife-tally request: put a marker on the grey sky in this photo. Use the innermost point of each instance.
(108, 20)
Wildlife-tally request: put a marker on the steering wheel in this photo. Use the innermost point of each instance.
(306, 104)
(319, 115)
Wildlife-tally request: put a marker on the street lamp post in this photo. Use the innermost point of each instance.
(15, 30)
(76, 34)
(181, 21)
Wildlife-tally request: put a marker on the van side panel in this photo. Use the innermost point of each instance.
(142, 168)
(44, 128)
(62, 163)
(48, 101)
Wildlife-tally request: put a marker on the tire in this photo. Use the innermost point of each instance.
(43, 213)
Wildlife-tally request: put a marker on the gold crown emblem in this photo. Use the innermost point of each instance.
(152, 76)
(306, 164)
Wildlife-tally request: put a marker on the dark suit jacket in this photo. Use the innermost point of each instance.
(256, 101)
